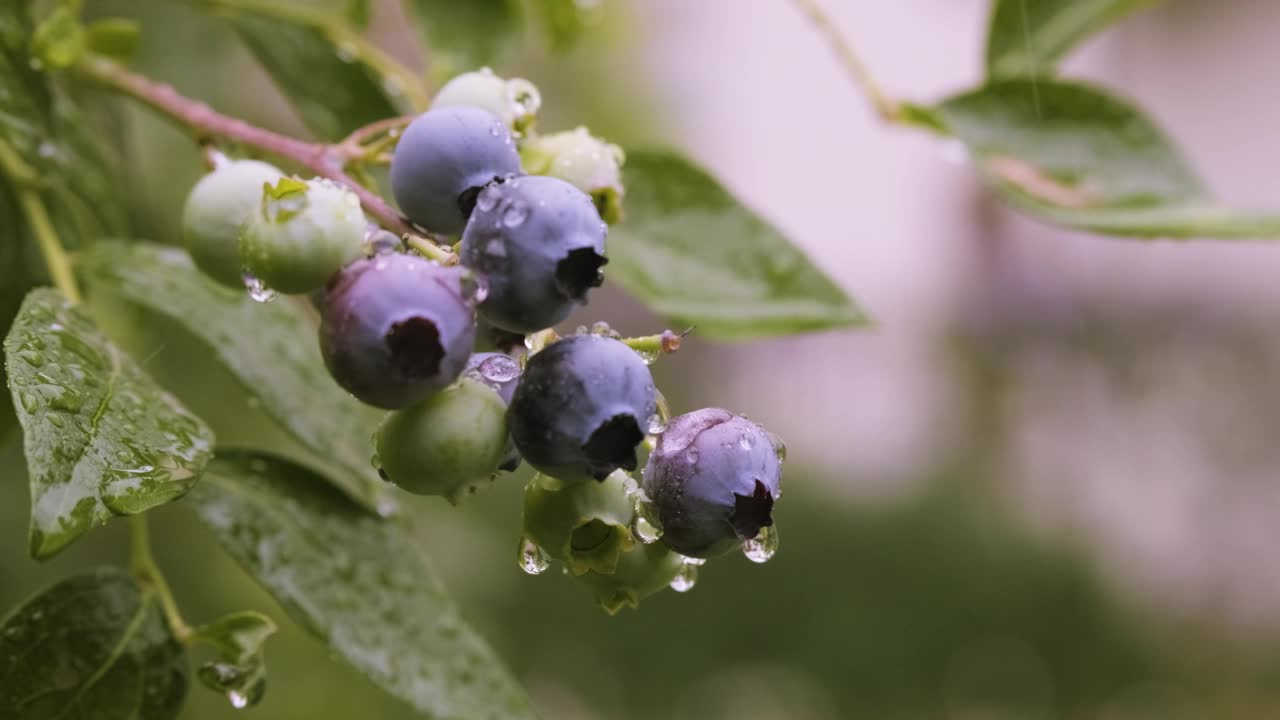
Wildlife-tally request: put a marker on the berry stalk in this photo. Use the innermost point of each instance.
(324, 160)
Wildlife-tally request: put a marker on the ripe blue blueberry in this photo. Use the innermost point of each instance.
(712, 481)
(501, 373)
(539, 243)
(442, 162)
(447, 444)
(582, 407)
(396, 328)
(215, 210)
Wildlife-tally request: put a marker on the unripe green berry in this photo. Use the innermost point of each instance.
(584, 161)
(641, 572)
(302, 233)
(215, 210)
(515, 102)
(586, 526)
(447, 444)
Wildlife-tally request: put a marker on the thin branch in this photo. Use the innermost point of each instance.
(25, 180)
(353, 144)
(887, 108)
(205, 122)
(144, 568)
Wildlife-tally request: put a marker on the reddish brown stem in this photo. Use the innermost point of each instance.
(323, 160)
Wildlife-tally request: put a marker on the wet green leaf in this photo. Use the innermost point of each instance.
(358, 583)
(101, 438)
(1027, 37)
(1079, 157)
(464, 36)
(691, 251)
(92, 646)
(331, 89)
(270, 347)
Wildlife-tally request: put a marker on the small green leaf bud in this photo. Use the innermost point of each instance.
(586, 525)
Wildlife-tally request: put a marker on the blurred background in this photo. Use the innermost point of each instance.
(1042, 486)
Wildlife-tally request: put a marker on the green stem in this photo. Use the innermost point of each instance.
(26, 180)
(664, 343)
(887, 108)
(144, 568)
(430, 250)
(349, 41)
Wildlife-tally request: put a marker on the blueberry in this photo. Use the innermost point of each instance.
(640, 572)
(582, 407)
(302, 233)
(446, 444)
(712, 481)
(539, 243)
(443, 160)
(586, 526)
(502, 373)
(515, 102)
(396, 328)
(215, 210)
(587, 162)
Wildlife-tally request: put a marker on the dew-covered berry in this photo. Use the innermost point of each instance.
(301, 234)
(502, 373)
(583, 160)
(712, 481)
(515, 102)
(586, 526)
(396, 328)
(444, 159)
(447, 444)
(216, 208)
(640, 572)
(582, 408)
(539, 244)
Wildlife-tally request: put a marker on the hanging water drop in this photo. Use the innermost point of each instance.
(239, 700)
(258, 290)
(779, 447)
(686, 578)
(656, 425)
(762, 547)
(645, 527)
(533, 559)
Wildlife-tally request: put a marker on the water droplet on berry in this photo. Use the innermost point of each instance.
(779, 447)
(496, 248)
(745, 442)
(533, 559)
(656, 425)
(645, 526)
(258, 290)
(499, 369)
(686, 578)
(648, 356)
(762, 547)
(239, 700)
(515, 215)
(488, 199)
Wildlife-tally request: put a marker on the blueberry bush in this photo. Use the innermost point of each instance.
(388, 290)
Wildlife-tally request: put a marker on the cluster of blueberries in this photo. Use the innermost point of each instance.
(398, 331)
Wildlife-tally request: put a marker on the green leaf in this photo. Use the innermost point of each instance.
(79, 187)
(60, 39)
(240, 671)
(1027, 37)
(691, 251)
(1076, 156)
(358, 12)
(356, 582)
(101, 438)
(332, 94)
(468, 35)
(270, 347)
(92, 646)
(563, 21)
(114, 37)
